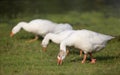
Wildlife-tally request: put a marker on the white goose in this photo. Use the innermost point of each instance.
(56, 38)
(86, 40)
(40, 27)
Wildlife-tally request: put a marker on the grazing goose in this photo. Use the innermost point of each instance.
(40, 27)
(86, 40)
(56, 38)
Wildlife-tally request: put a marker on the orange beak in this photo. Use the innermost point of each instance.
(11, 34)
(59, 61)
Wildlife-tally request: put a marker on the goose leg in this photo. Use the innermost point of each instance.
(92, 59)
(67, 52)
(32, 40)
(80, 53)
(84, 58)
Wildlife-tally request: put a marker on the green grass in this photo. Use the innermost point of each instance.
(20, 58)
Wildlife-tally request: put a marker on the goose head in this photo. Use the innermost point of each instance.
(17, 28)
(60, 57)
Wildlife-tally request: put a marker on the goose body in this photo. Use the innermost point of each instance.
(40, 27)
(86, 40)
(62, 27)
(56, 38)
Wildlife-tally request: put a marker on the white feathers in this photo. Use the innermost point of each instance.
(62, 27)
(56, 38)
(86, 40)
(41, 27)
(17, 28)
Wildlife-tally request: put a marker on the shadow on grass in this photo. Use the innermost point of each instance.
(100, 58)
(29, 37)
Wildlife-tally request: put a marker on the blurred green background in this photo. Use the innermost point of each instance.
(20, 58)
(15, 8)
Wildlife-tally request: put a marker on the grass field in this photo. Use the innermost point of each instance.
(20, 58)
